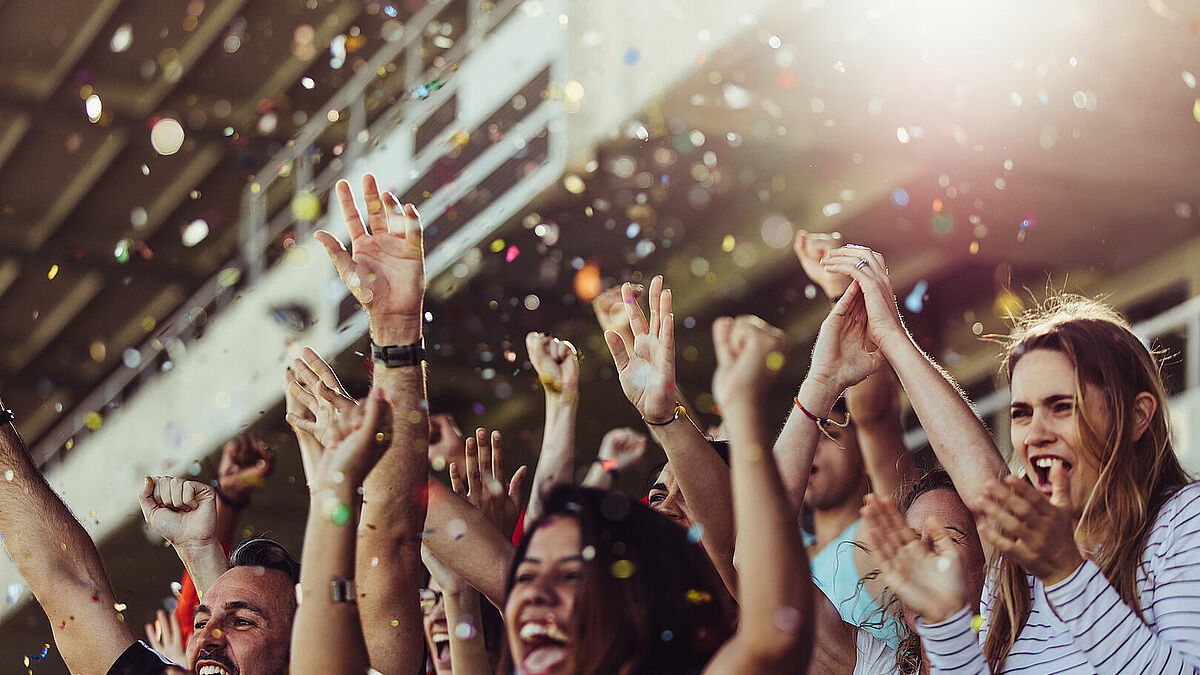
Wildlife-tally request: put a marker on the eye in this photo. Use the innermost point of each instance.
(526, 578)
(198, 625)
(573, 575)
(657, 498)
(242, 623)
(1064, 406)
(1020, 412)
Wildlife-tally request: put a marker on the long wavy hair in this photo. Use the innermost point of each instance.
(650, 600)
(1136, 475)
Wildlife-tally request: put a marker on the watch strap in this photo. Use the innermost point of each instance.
(398, 356)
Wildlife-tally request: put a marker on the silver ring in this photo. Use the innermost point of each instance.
(861, 264)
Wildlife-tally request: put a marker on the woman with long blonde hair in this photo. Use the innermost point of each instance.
(1094, 544)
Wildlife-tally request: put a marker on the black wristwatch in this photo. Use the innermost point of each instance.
(398, 356)
(6, 416)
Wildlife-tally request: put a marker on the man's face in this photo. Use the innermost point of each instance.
(837, 472)
(243, 624)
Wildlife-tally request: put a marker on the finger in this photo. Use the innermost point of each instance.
(303, 396)
(722, 333)
(305, 374)
(473, 467)
(341, 258)
(393, 210)
(321, 369)
(618, 349)
(300, 424)
(1060, 495)
(376, 216)
(413, 231)
(497, 457)
(153, 634)
(456, 478)
(166, 627)
(354, 224)
(943, 544)
(177, 493)
(517, 482)
(1001, 518)
(146, 497)
(1020, 498)
(655, 298)
(667, 318)
(484, 443)
(189, 495)
(633, 310)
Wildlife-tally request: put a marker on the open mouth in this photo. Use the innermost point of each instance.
(441, 646)
(545, 647)
(213, 669)
(1041, 469)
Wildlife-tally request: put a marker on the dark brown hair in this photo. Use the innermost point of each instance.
(650, 601)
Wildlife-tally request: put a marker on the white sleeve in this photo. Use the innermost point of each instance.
(874, 656)
(952, 646)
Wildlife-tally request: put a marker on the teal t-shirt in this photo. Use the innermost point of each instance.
(836, 574)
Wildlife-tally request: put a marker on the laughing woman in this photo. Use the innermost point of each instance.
(1096, 543)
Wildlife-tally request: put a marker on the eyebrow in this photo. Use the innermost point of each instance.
(1049, 400)
(951, 527)
(242, 604)
(659, 486)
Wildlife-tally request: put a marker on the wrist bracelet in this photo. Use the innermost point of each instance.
(824, 422)
(226, 499)
(608, 465)
(342, 590)
(398, 356)
(6, 416)
(679, 410)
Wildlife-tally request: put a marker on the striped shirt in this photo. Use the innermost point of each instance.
(1081, 625)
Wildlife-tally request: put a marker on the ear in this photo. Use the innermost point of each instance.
(1144, 407)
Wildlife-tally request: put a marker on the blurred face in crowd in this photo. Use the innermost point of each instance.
(437, 631)
(836, 474)
(538, 612)
(666, 498)
(946, 507)
(244, 624)
(1046, 420)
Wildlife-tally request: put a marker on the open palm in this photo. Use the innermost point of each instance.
(647, 367)
(386, 270)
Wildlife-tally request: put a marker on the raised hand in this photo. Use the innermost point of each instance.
(869, 269)
(386, 271)
(749, 355)
(165, 637)
(810, 248)
(483, 486)
(844, 354)
(647, 367)
(318, 397)
(621, 449)
(359, 437)
(556, 362)
(1037, 532)
(246, 461)
(184, 512)
(445, 441)
(610, 308)
(927, 577)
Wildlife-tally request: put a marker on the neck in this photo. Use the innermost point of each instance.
(829, 523)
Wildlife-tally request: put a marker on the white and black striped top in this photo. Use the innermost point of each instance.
(1090, 629)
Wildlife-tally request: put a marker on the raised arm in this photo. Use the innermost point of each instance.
(386, 274)
(464, 621)
(775, 629)
(327, 636)
(58, 560)
(646, 369)
(557, 366)
(957, 436)
(621, 449)
(874, 405)
(184, 512)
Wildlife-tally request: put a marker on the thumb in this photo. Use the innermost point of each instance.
(942, 543)
(336, 250)
(514, 485)
(616, 346)
(146, 497)
(1060, 495)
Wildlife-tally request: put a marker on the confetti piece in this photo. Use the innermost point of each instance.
(306, 207)
(623, 569)
(511, 254)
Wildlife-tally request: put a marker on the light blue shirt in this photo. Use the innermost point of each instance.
(836, 574)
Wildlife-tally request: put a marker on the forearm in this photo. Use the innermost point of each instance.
(957, 436)
(556, 461)
(469, 655)
(327, 636)
(797, 442)
(774, 588)
(59, 562)
(705, 482)
(597, 477)
(472, 547)
(388, 561)
(204, 561)
(874, 406)
(227, 520)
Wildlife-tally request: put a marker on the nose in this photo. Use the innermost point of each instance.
(542, 593)
(1038, 433)
(671, 508)
(211, 637)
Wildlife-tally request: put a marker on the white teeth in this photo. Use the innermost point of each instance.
(1045, 462)
(439, 639)
(213, 670)
(533, 630)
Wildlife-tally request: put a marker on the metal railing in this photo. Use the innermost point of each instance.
(259, 228)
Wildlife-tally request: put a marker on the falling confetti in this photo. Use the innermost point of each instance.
(167, 136)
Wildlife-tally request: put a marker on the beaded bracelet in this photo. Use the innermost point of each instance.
(823, 422)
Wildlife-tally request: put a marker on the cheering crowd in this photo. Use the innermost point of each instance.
(1085, 558)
